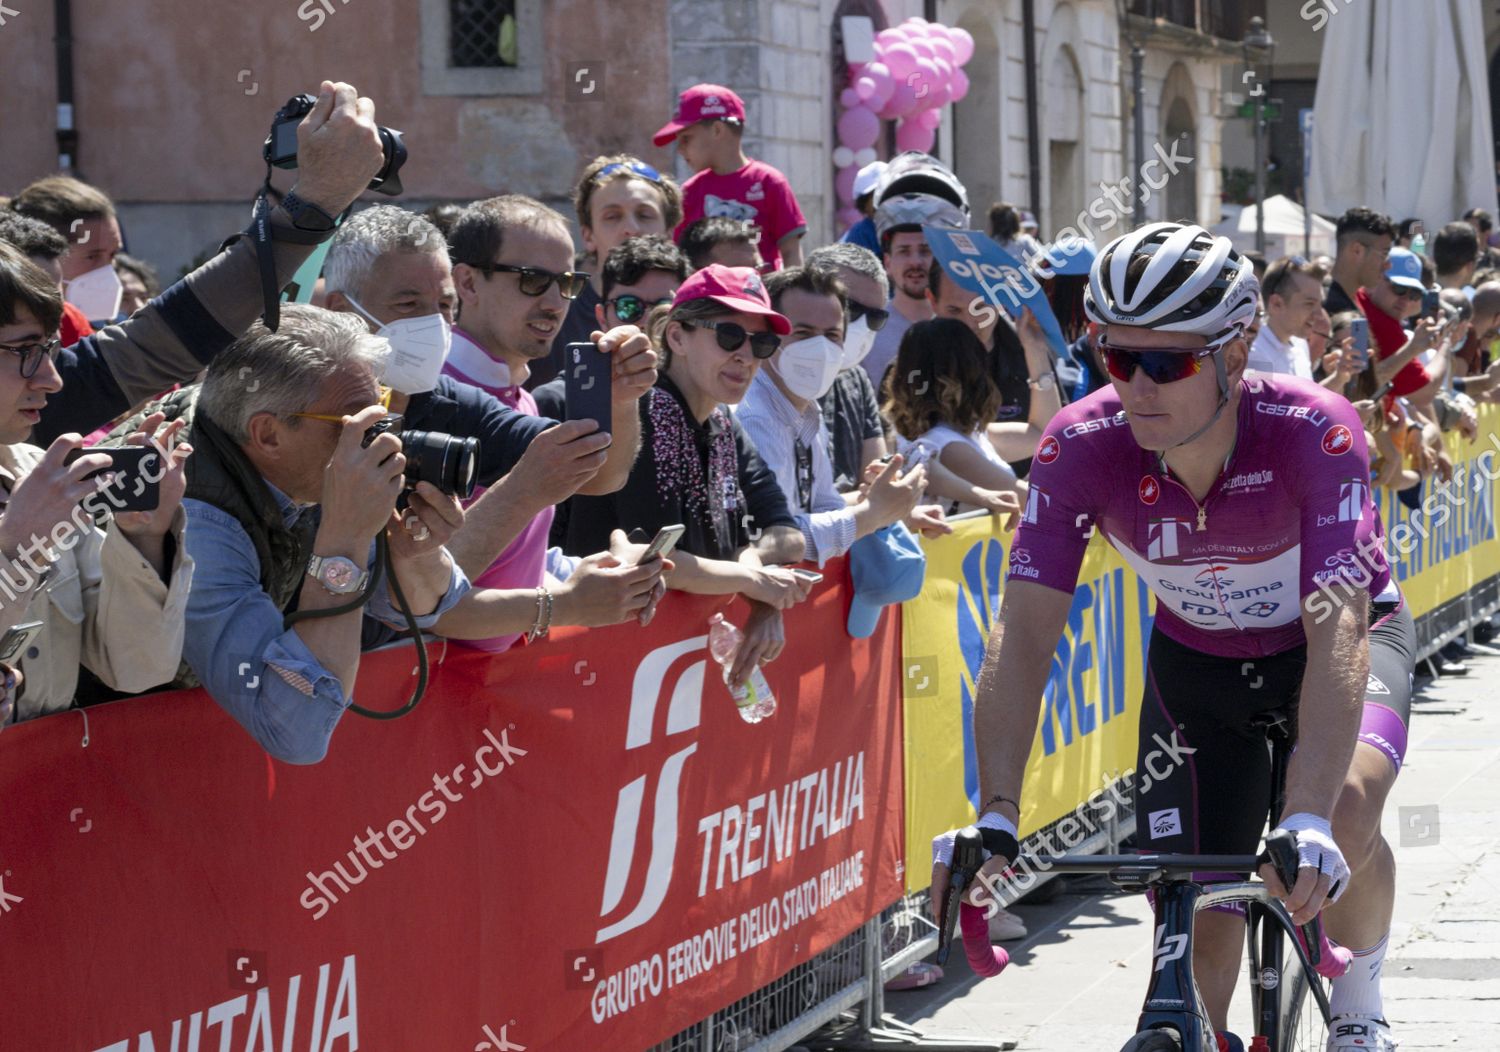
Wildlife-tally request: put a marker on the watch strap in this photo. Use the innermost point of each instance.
(306, 216)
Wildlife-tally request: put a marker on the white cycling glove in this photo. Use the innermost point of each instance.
(1316, 850)
(942, 844)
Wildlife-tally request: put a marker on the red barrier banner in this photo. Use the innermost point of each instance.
(577, 845)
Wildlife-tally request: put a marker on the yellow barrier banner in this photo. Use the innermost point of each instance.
(1086, 737)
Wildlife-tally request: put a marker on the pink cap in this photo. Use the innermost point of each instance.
(738, 288)
(701, 102)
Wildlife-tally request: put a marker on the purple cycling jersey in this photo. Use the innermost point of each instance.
(1291, 513)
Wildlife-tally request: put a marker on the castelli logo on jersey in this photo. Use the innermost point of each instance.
(1150, 490)
(1048, 450)
(1337, 440)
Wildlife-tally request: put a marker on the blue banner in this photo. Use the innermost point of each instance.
(977, 264)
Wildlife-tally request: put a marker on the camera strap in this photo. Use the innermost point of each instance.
(270, 290)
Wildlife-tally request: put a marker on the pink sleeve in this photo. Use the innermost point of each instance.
(1065, 496)
(1341, 537)
(789, 216)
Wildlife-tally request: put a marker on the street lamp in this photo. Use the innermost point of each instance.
(1258, 43)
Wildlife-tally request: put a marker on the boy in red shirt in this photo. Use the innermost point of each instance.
(708, 127)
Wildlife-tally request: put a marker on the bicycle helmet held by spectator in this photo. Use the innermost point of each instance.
(920, 173)
(912, 212)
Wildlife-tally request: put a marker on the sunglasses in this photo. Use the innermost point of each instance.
(338, 418)
(1162, 365)
(630, 308)
(1402, 292)
(645, 171)
(875, 317)
(534, 281)
(31, 355)
(732, 336)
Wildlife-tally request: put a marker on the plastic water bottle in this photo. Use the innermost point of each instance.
(754, 699)
(1419, 244)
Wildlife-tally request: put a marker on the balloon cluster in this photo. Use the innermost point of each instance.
(914, 74)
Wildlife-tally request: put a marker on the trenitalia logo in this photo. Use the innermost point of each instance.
(683, 710)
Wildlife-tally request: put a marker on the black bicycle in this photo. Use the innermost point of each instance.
(1289, 995)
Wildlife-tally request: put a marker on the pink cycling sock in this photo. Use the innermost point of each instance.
(985, 959)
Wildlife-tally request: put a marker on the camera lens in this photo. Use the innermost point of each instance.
(449, 463)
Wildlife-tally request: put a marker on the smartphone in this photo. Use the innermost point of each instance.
(138, 473)
(916, 457)
(1430, 302)
(1359, 328)
(807, 575)
(16, 639)
(1381, 391)
(587, 382)
(662, 544)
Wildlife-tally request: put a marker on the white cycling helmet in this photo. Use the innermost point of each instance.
(913, 211)
(1215, 295)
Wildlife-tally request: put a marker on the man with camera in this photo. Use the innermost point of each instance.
(294, 482)
(173, 337)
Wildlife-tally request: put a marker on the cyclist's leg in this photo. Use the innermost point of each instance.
(1361, 919)
(1203, 778)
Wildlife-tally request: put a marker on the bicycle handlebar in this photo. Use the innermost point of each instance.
(968, 857)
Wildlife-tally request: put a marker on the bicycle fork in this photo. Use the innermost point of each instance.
(1172, 999)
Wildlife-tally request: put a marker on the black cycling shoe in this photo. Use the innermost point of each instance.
(1484, 633)
(1457, 650)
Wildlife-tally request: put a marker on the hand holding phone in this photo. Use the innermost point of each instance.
(662, 544)
(137, 470)
(16, 639)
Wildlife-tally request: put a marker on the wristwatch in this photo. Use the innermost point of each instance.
(1043, 383)
(306, 215)
(339, 575)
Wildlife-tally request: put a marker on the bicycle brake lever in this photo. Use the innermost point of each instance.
(1281, 852)
(968, 856)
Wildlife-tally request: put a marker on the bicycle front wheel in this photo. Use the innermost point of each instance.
(1304, 1027)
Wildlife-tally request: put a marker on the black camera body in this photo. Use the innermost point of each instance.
(448, 462)
(280, 149)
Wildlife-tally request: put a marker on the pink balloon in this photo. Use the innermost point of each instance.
(925, 83)
(943, 47)
(885, 84)
(963, 44)
(903, 101)
(959, 84)
(858, 128)
(848, 217)
(912, 136)
(850, 98)
(930, 119)
(844, 184)
(864, 91)
(901, 60)
(887, 37)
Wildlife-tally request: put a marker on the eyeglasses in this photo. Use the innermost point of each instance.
(645, 171)
(31, 355)
(732, 336)
(1402, 292)
(534, 280)
(1162, 365)
(630, 308)
(338, 418)
(875, 317)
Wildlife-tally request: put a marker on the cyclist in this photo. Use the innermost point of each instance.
(1244, 503)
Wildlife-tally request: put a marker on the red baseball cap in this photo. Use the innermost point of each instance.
(738, 288)
(701, 102)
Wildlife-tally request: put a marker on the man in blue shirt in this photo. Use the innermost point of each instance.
(283, 510)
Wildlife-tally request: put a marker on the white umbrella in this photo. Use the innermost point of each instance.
(1283, 223)
(1402, 117)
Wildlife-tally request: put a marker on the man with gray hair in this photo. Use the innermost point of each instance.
(287, 493)
(850, 409)
(392, 268)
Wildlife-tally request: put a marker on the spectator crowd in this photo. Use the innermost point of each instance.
(399, 455)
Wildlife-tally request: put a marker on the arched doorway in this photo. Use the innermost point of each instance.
(1179, 125)
(976, 119)
(1064, 124)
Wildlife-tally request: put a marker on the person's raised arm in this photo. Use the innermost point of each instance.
(176, 335)
(1419, 341)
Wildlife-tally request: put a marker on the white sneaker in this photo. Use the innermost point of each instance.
(1356, 1033)
(1005, 926)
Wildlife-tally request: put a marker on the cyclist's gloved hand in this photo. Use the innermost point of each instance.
(1317, 850)
(999, 835)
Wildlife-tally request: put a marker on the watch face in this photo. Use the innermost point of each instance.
(340, 574)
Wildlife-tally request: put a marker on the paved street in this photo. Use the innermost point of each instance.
(1076, 981)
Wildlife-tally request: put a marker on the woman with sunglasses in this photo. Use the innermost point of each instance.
(1244, 504)
(617, 197)
(698, 468)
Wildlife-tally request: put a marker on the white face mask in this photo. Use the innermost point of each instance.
(857, 343)
(418, 348)
(96, 292)
(809, 367)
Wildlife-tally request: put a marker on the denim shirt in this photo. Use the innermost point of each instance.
(262, 674)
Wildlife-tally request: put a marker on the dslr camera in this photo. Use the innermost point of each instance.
(280, 147)
(449, 463)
